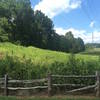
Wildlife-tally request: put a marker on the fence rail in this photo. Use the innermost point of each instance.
(74, 76)
(28, 81)
(26, 88)
(74, 85)
(2, 79)
(83, 88)
(48, 83)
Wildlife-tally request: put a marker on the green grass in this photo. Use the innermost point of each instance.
(39, 55)
(31, 62)
(41, 61)
(35, 54)
(46, 98)
(92, 51)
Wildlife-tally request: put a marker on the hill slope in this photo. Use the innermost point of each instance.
(31, 62)
(37, 54)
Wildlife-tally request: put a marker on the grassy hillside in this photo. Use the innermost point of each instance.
(38, 55)
(35, 54)
(30, 62)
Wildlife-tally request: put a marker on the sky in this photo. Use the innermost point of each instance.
(82, 17)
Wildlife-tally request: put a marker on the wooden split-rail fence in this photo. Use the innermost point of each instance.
(49, 86)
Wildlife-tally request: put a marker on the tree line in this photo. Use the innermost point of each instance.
(20, 24)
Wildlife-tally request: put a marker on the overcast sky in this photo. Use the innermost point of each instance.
(82, 17)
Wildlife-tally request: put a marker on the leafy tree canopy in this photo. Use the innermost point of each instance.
(19, 23)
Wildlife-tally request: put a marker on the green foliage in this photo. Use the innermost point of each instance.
(4, 29)
(75, 44)
(92, 51)
(19, 23)
(30, 63)
(92, 45)
(51, 98)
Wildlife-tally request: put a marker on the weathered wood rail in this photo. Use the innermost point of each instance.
(48, 83)
(74, 76)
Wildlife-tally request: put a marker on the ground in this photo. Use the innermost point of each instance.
(52, 98)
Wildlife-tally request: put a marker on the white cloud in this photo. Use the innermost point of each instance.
(60, 31)
(92, 24)
(87, 37)
(96, 35)
(54, 7)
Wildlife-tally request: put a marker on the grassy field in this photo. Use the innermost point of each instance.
(35, 54)
(35, 63)
(42, 60)
(46, 98)
(38, 55)
(92, 51)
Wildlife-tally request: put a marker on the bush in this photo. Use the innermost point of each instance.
(26, 69)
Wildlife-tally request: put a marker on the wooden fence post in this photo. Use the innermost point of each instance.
(98, 84)
(49, 84)
(6, 86)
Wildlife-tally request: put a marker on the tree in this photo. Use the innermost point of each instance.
(24, 26)
(4, 29)
(10, 9)
(69, 35)
(75, 44)
(19, 23)
(44, 30)
(64, 44)
(71, 40)
(81, 44)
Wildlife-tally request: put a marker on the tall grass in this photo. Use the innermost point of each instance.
(30, 62)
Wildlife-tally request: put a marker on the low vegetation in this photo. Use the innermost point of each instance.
(21, 25)
(92, 51)
(30, 62)
(53, 98)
